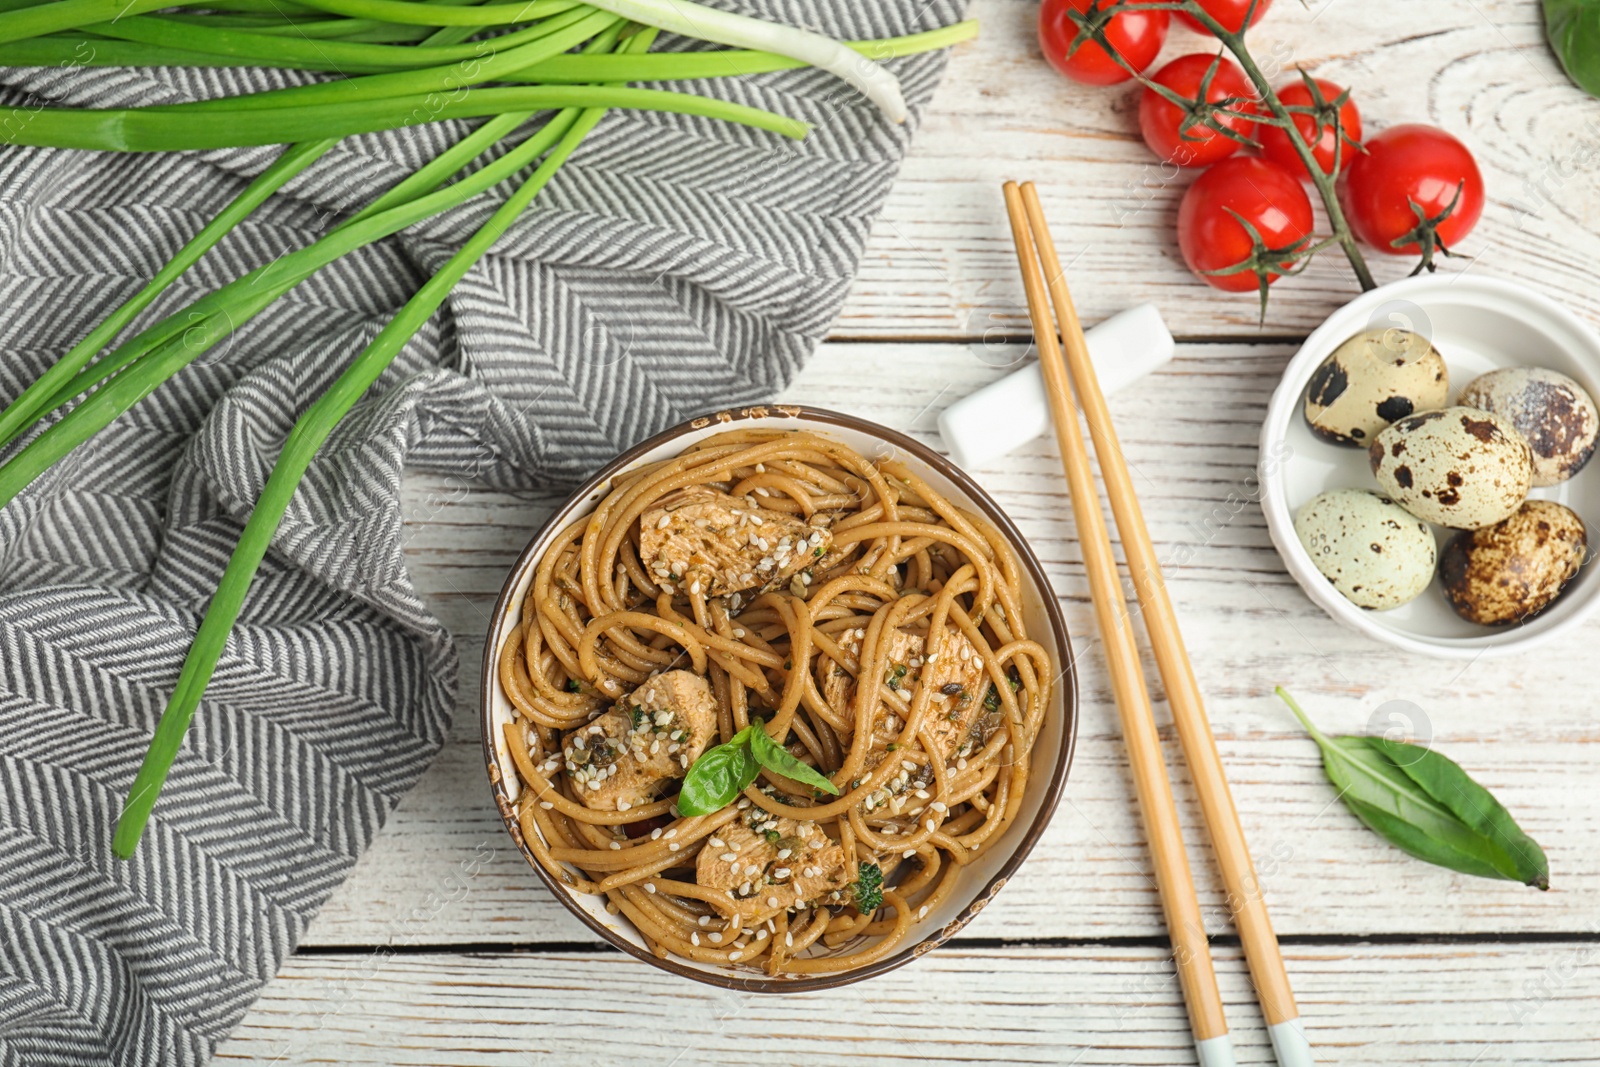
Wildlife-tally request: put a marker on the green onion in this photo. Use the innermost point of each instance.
(299, 449)
(741, 31)
(32, 402)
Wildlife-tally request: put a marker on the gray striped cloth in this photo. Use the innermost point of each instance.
(674, 266)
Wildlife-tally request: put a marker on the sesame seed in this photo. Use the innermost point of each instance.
(649, 887)
(961, 764)
(716, 842)
(772, 902)
(785, 853)
(664, 522)
(908, 765)
(623, 805)
(546, 805)
(752, 870)
(674, 847)
(788, 938)
(729, 857)
(656, 833)
(579, 744)
(908, 853)
(594, 786)
(761, 935)
(694, 939)
(734, 957)
(716, 938)
(939, 805)
(780, 872)
(931, 824)
(922, 912)
(672, 833)
(616, 845)
(705, 920)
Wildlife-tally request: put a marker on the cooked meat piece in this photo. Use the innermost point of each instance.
(769, 863)
(960, 686)
(652, 735)
(724, 544)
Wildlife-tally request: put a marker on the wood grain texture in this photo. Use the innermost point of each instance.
(939, 263)
(1365, 1006)
(1528, 728)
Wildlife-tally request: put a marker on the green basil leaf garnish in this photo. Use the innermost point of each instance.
(1424, 804)
(774, 757)
(718, 776)
(722, 773)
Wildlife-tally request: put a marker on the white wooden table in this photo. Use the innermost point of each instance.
(443, 949)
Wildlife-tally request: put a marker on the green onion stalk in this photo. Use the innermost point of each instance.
(552, 67)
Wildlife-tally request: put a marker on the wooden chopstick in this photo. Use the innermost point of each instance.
(1172, 658)
(1191, 951)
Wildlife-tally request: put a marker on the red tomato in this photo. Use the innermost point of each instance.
(1275, 143)
(1263, 194)
(1162, 122)
(1137, 37)
(1407, 165)
(1228, 12)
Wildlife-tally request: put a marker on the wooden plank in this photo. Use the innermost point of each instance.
(939, 262)
(1363, 1005)
(443, 870)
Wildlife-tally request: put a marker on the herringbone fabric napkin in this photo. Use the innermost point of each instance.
(675, 265)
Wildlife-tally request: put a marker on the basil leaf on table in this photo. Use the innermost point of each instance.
(719, 775)
(1424, 804)
(1573, 27)
(774, 757)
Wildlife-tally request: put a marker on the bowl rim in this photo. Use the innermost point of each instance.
(1059, 641)
(1284, 407)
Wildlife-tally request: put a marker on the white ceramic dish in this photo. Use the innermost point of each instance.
(1478, 325)
(1052, 753)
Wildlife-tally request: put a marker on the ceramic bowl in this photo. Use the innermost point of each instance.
(1052, 754)
(1478, 325)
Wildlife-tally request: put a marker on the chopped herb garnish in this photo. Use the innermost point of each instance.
(991, 699)
(867, 889)
(574, 686)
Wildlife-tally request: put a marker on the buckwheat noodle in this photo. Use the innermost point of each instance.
(900, 588)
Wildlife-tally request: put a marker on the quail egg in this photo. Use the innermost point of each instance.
(1550, 410)
(1459, 467)
(1370, 381)
(1375, 553)
(1512, 570)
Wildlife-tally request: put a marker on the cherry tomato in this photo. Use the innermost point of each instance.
(1137, 37)
(1275, 144)
(1162, 122)
(1405, 165)
(1228, 12)
(1263, 194)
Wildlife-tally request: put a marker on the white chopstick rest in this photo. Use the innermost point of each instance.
(1011, 412)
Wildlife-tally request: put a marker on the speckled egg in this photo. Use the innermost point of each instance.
(1373, 551)
(1512, 570)
(1459, 467)
(1550, 410)
(1370, 381)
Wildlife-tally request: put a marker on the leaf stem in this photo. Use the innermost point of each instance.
(1311, 727)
